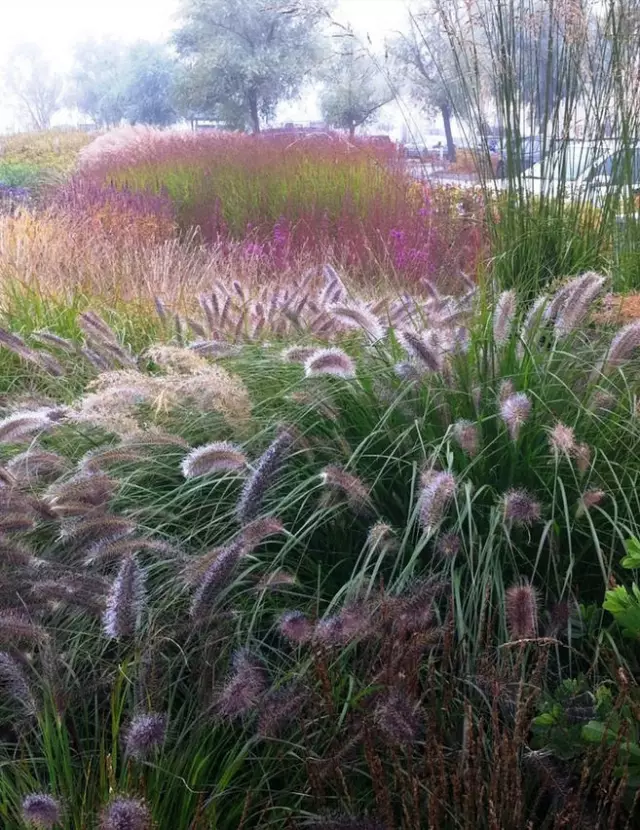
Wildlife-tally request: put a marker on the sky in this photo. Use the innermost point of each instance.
(55, 25)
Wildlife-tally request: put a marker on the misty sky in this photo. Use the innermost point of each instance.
(56, 25)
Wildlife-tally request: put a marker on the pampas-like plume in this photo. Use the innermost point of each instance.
(72, 590)
(532, 323)
(35, 466)
(562, 440)
(417, 347)
(14, 628)
(436, 496)
(397, 718)
(355, 491)
(41, 810)
(275, 580)
(125, 601)
(40, 359)
(81, 494)
(260, 529)
(54, 341)
(297, 354)
(125, 814)
(296, 627)
(592, 498)
(331, 361)
(95, 460)
(358, 316)
(623, 345)
(14, 684)
(263, 476)
(146, 734)
(520, 508)
(217, 576)
(467, 437)
(220, 456)
(20, 426)
(578, 303)
(522, 611)
(503, 317)
(515, 411)
(244, 687)
(279, 708)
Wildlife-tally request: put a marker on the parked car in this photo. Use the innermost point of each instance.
(590, 170)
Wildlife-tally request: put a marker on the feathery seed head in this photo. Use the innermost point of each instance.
(295, 626)
(145, 734)
(217, 576)
(41, 810)
(425, 349)
(397, 719)
(505, 391)
(263, 476)
(297, 354)
(466, 436)
(125, 814)
(356, 493)
(593, 498)
(583, 457)
(515, 411)
(20, 426)
(275, 580)
(280, 707)
(503, 316)
(220, 456)
(520, 508)
(332, 361)
(14, 684)
(125, 601)
(357, 315)
(522, 611)
(244, 687)
(562, 440)
(448, 545)
(437, 494)
(578, 303)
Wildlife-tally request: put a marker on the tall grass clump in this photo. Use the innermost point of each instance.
(275, 197)
(563, 73)
(349, 578)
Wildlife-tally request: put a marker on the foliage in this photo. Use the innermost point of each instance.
(359, 649)
(241, 57)
(319, 196)
(30, 80)
(51, 150)
(149, 77)
(97, 81)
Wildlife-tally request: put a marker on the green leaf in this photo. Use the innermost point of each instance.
(632, 559)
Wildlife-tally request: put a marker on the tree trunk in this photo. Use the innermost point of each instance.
(253, 112)
(446, 117)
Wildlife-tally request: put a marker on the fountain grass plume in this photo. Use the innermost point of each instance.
(41, 810)
(436, 497)
(522, 611)
(263, 477)
(520, 508)
(217, 457)
(14, 684)
(125, 601)
(504, 316)
(331, 361)
(244, 688)
(145, 735)
(125, 814)
(515, 410)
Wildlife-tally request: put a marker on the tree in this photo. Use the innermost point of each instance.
(354, 88)
(98, 81)
(241, 57)
(426, 56)
(148, 85)
(113, 81)
(30, 80)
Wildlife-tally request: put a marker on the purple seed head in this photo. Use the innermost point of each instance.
(295, 626)
(520, 508)
(397, 719)
(218, 457)
(466, 436)
(41, 810)
(331, 361)
(280, 707)
(448, 545)
(125, 601)
(263, 476)
(437, 495)
(244, 687)
(522, 611)
(217, 576)
(503, 316)
(146, 734)
(515, 411)
(562, 440)
(329, 632)
(125, 814)
(13, 683)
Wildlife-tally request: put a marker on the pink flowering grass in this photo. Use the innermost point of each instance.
(277, 198)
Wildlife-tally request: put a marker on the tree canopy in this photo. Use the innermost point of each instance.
(30, 80)
(240, 58)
